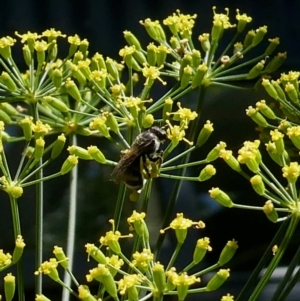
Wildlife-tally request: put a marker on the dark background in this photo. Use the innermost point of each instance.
(103, 23)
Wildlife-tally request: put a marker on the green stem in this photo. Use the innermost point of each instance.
(183, 165)
(71, 224)
(17, 231)
(119, 205)
(174, 255)
(42, 179)
(276, 259)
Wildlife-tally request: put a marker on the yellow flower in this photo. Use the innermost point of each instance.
(127, 282)
(184, 279)
(184, 115)
(41, 128)
(127, 50)
(142, 259)
(31, 36)
(176, 133)
(151, 73)
(74, 40)
(224, 19)
(52, 34)
(5, 259)
(49, 268)
(291, 172)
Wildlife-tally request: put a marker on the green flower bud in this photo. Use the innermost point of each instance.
(276, 62)
(217, 30)
(112, 68)
(217, 280)
(249, 39)
(6, 80)
(161, 55)
(279, 90)
(69, 164)
(57, 103)
(221, 197)
(205, 43)
(151, 54)
(84, 293)
(204, 133)
(167, 108)
(132, 63)
(132, 40)
(257, 117)
(18, 250)
(148, 121)
(52, 51)
(80, 152)
(294, 134)
(72, 89)
(265, 109)
(186, 76)
(5, 117)
(200, 250)
(259, 35)
(271, 149)
(228, 252)
(159, 276)
(140, 57)
(41, 298)
(270, 212)
(96, 253)
(96, 154)
(196, 57)
(277, 138)
(258, 184)
(292, 93)
(9, 286)
(57, 78)
(231, 161)
(199, 75)
(186, 61)
(61, 257)
(39, 148)
(272, 46)
(106, 278)
(207, 172)
(27, 55)
(14, 190)
(58, 146)
(256, 70)
(215, 152)
(269, 88)
(8, 108)
(83, 47)
(242, 21)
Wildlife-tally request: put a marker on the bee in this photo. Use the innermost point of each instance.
(142, 160)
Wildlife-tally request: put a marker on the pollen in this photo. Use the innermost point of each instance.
(40, 127)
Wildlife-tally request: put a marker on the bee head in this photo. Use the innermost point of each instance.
(159, 133)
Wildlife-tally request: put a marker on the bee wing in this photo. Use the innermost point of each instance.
(137, 148)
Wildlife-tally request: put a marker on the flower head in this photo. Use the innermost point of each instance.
(142, 259)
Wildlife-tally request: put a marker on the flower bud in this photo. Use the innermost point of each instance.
(207, 172)
(265, 109)
(8, 108)
(106, 278)
(39, 148)
(196, 57)
(148, 121)
(161, 55)
(217, 280)
(186, 61)
(269, 88)
(82, 130)
(277, 138)
(231, 161)
(291, 172)
(57, 78)
(256, 70)
(279, 90)
(96, 154)
(69, 164)
(217, 30)
(57, 103)
(257, 117)
(132, 40)
(258, 184)
(205, 43)
(61, 257)
(80, 152)
(200, 250)
(72, 89)
(6, 79)
(272, 46)
(26, 124)
(84, 294)
(41, 298)
(204, 133)
(151, 54)
(96, 253)
(199, 75)
(58, 146)
(228, 252)
(292, 93)
(259, 35)
(18, 250)
(186, 76)
(27, 55)
(167, 108)
(112, 68)
(221, 197)
(276, 62)
(270, 212)
(249, 38)
(9, 286)
(5, 117)
(159, 276)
